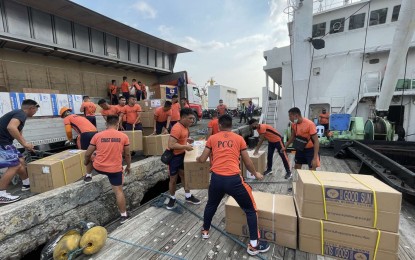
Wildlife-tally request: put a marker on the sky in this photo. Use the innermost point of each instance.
(227, 37)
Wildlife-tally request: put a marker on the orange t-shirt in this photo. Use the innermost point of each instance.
(124, 86)
(113, 110)
(269, 132)
(175, 112)
(137, 87)
(214, 124)
(109, 145)
(180, 133)
(226, 150)
(79, 123)
(160, 115)
(131, 113)
(89, 108)
(221, 109)
(186, 106)
(113, 89)
(305, 129)
(324, 118)
(121, 108)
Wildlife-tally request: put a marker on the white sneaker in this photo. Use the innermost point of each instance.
(6, 198)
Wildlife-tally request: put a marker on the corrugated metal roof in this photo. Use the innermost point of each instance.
(82, 15)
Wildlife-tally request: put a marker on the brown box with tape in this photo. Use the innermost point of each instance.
(277, 219)
(196, 175)
(147, 119)
(56, 170)
(353, 199)
(136, 139)
(150, 105)
(155, 144)
(260, 163)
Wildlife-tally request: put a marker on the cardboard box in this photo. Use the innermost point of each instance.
(136, 140)
(348, 201)
(196, 175)
(56, 170)
(162, 91)
(150, 105)
(260, 163)
(155, 144)
(147, 119)
(346, 241)
(277, 219)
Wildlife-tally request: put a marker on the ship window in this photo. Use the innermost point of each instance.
(357, 21)
(378, 16)
(395, 13)
(319, 29)
(337, 25)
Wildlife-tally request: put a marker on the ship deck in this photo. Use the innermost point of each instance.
(179, 234)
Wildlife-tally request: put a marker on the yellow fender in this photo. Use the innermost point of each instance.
(66, 244)
(93, 240)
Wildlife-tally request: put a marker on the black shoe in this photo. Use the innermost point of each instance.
(267, 172)
(192, 199)
(288, 176)
(262, 247)
(171, 204)
(87, 179)
(123, 219)
(25, 187)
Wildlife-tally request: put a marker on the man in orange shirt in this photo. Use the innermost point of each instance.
(175, 110)
(178, 142)
(88, 108)
(113, 92)
(109, 109)
(213, 125)
(138, 91)
(324, 120)
(184, 102)
(85, 130)
(110, 146)
(304, 139)
(132, 112)
(125, 87)
(221, 108)
(274, 143)
(143, 90)
(121, 104)
(226, 148)
(162, 117)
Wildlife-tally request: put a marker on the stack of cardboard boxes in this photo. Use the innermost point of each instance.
(347, 216)
(259, 161)
(147, 115)
(155, 144)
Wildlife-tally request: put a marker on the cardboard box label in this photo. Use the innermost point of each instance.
(264, 233)
(344, 252)
(155, 103)
(249, 175)
(345, 196)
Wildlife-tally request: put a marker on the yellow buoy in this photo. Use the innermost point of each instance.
(66, 244)
(93, 240)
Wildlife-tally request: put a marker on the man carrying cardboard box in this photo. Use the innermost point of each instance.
(175, 110)
(162, 117)
(304, 139)
(132, 112)
(226, 148)
(274, 143)
(11, 126)
(85, 130)
(110, 145)
(178, 142)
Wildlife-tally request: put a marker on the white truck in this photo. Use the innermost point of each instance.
(227, 94)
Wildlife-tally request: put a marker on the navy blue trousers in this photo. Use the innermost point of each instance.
(236, 187)
(277, 146)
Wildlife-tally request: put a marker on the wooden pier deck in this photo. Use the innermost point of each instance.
(179, 234)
